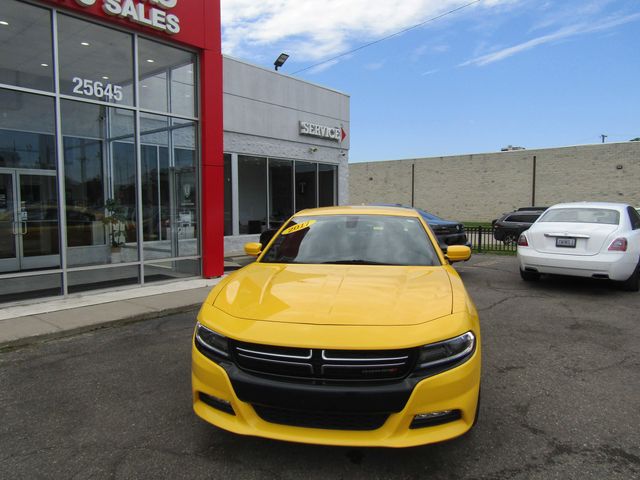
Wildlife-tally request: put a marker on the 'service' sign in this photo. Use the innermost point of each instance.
(322, 131)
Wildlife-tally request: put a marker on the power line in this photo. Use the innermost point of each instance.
(361, 47)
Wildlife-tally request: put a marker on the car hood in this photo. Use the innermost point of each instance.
(337, 294)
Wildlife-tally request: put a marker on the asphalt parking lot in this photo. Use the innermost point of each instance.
(561, 399)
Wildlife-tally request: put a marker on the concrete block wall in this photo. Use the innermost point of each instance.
(473, 185)
(380, 182)
(590, 173)
(480, 187)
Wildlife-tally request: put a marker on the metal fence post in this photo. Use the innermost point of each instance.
(480, 238)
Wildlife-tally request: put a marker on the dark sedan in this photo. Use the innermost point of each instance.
(448, 232)
(509, 226)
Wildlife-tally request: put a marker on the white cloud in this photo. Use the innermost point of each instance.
(311, 30)
(565, 32)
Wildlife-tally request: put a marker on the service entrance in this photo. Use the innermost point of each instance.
(29, 226)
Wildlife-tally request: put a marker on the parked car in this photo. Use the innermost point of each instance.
(510, 225)
(598, 240)
(448, 232)
(350, 328)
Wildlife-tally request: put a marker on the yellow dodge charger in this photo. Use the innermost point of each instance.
(351, 328)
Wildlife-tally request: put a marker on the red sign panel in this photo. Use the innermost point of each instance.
(191, 22)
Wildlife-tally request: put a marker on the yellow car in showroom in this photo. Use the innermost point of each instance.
(351, 328)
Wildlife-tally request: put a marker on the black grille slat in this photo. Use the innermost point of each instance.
(274, 366)
(323, 365)
(324, 420)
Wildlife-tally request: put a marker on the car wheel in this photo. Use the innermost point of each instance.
(529, 276)
(510, 239)
(632, 284)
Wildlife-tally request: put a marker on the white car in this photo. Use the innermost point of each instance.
(585, 239)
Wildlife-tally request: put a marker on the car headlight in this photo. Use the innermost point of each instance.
(211, 342)
(440, 356)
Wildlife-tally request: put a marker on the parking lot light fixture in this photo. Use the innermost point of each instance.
(280, 60)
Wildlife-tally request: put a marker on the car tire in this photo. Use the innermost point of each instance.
(632, 284)
(529, 276)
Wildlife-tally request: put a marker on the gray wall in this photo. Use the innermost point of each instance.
(480, 187)
(262, 111)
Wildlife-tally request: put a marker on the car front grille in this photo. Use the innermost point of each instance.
(448, 230)
(324, 420)
(323, 366)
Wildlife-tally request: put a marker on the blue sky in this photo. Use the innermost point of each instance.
(520, 72)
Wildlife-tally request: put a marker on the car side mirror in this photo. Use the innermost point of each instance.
(253, 249)
(458, 253)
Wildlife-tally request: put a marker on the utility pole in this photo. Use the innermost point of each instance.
(603, 137)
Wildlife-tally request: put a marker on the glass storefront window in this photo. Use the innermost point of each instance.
(29, 217)
(96, 62)
(306, 175)
(26, 56)
(163, 271)
(167, 78)
(169, 187)
(100, 184)
(327, 185)
(27, 128)
(186, 187)
(280, 192)
(100, 154)
(252, 194)
(32, 286)
(84, 280)
(272, 196)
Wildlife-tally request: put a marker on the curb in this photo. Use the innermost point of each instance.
(46, 337)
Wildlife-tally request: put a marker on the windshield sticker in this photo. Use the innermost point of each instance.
(298, 227)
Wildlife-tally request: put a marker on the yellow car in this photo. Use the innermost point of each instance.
(351, 328)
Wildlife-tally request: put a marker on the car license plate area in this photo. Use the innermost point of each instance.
(565, 242)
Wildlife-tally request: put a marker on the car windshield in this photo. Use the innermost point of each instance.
(582, 215)
(354, 240)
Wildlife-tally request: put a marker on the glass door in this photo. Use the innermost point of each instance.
(38, 220)
(8, 224)
(28, 220)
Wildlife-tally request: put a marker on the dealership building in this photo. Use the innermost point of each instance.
(114, 166)
(286, 149)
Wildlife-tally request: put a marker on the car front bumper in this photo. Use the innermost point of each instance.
(455, 389)
(615, 265)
